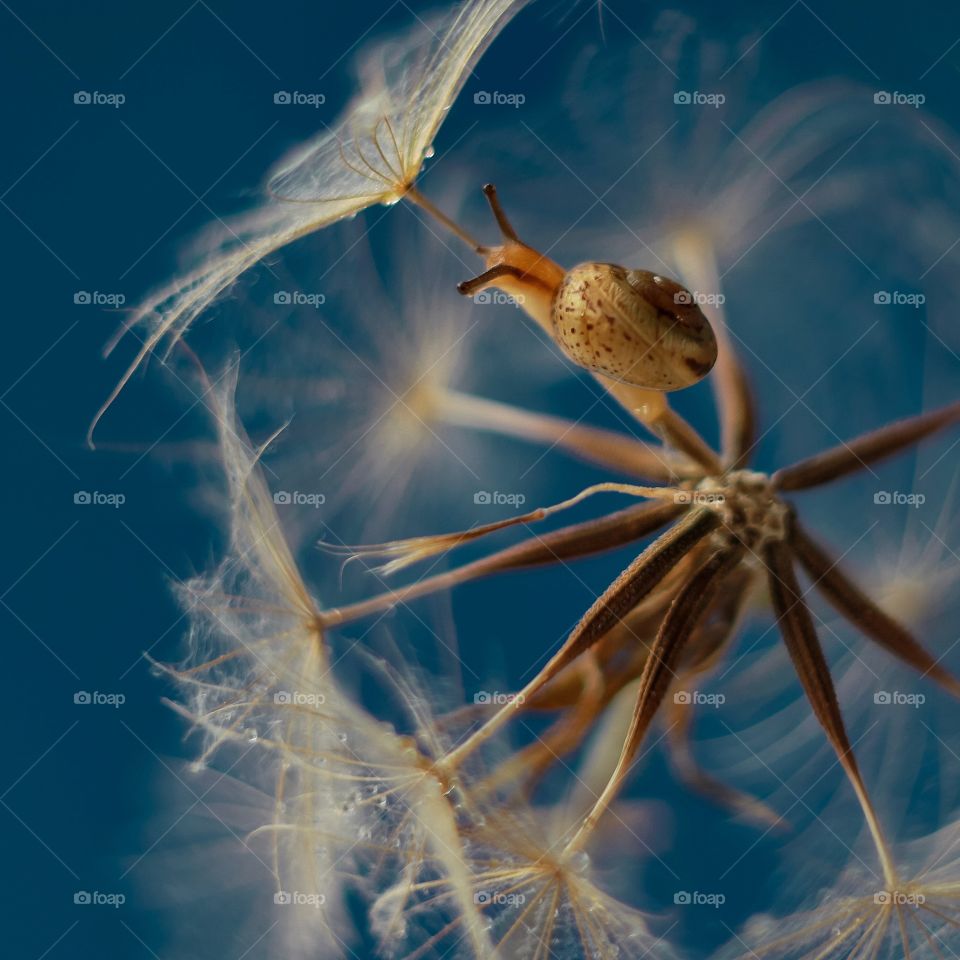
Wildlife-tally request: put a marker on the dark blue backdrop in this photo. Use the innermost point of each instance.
(97, 199)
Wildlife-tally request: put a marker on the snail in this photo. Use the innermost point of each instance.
(631, 326)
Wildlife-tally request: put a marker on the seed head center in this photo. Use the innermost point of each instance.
(749, 509)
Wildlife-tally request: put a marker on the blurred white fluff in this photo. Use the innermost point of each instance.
(445, 867)
(373, 155)
(352, 798)
(536, 898)
(860, 917)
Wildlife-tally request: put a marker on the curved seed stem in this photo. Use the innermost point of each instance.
(736, 406)
(568, 543)
(415, 549)
(660, 669)
(415, 196)
(803, 645)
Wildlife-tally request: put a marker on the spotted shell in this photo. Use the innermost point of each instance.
(633, 326)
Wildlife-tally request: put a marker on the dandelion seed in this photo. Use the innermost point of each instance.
(373, 155)
(351, 797)
(533, 900)
(867, 918)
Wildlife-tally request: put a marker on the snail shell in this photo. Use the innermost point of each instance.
(633, 326)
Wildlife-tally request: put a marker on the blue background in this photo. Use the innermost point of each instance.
(98, 199)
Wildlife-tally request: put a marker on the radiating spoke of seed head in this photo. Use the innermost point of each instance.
(852, 603)
(678, 720)
(718, 625)
(800, 637)
(569, 543)
(707, 646)
(864, 450)
(803, 645)
(678, 434)
(403, 553)
(662, 661)
(737, 408)
(633, 584)
(607, 448)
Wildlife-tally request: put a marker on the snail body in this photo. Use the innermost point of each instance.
(633, 327)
